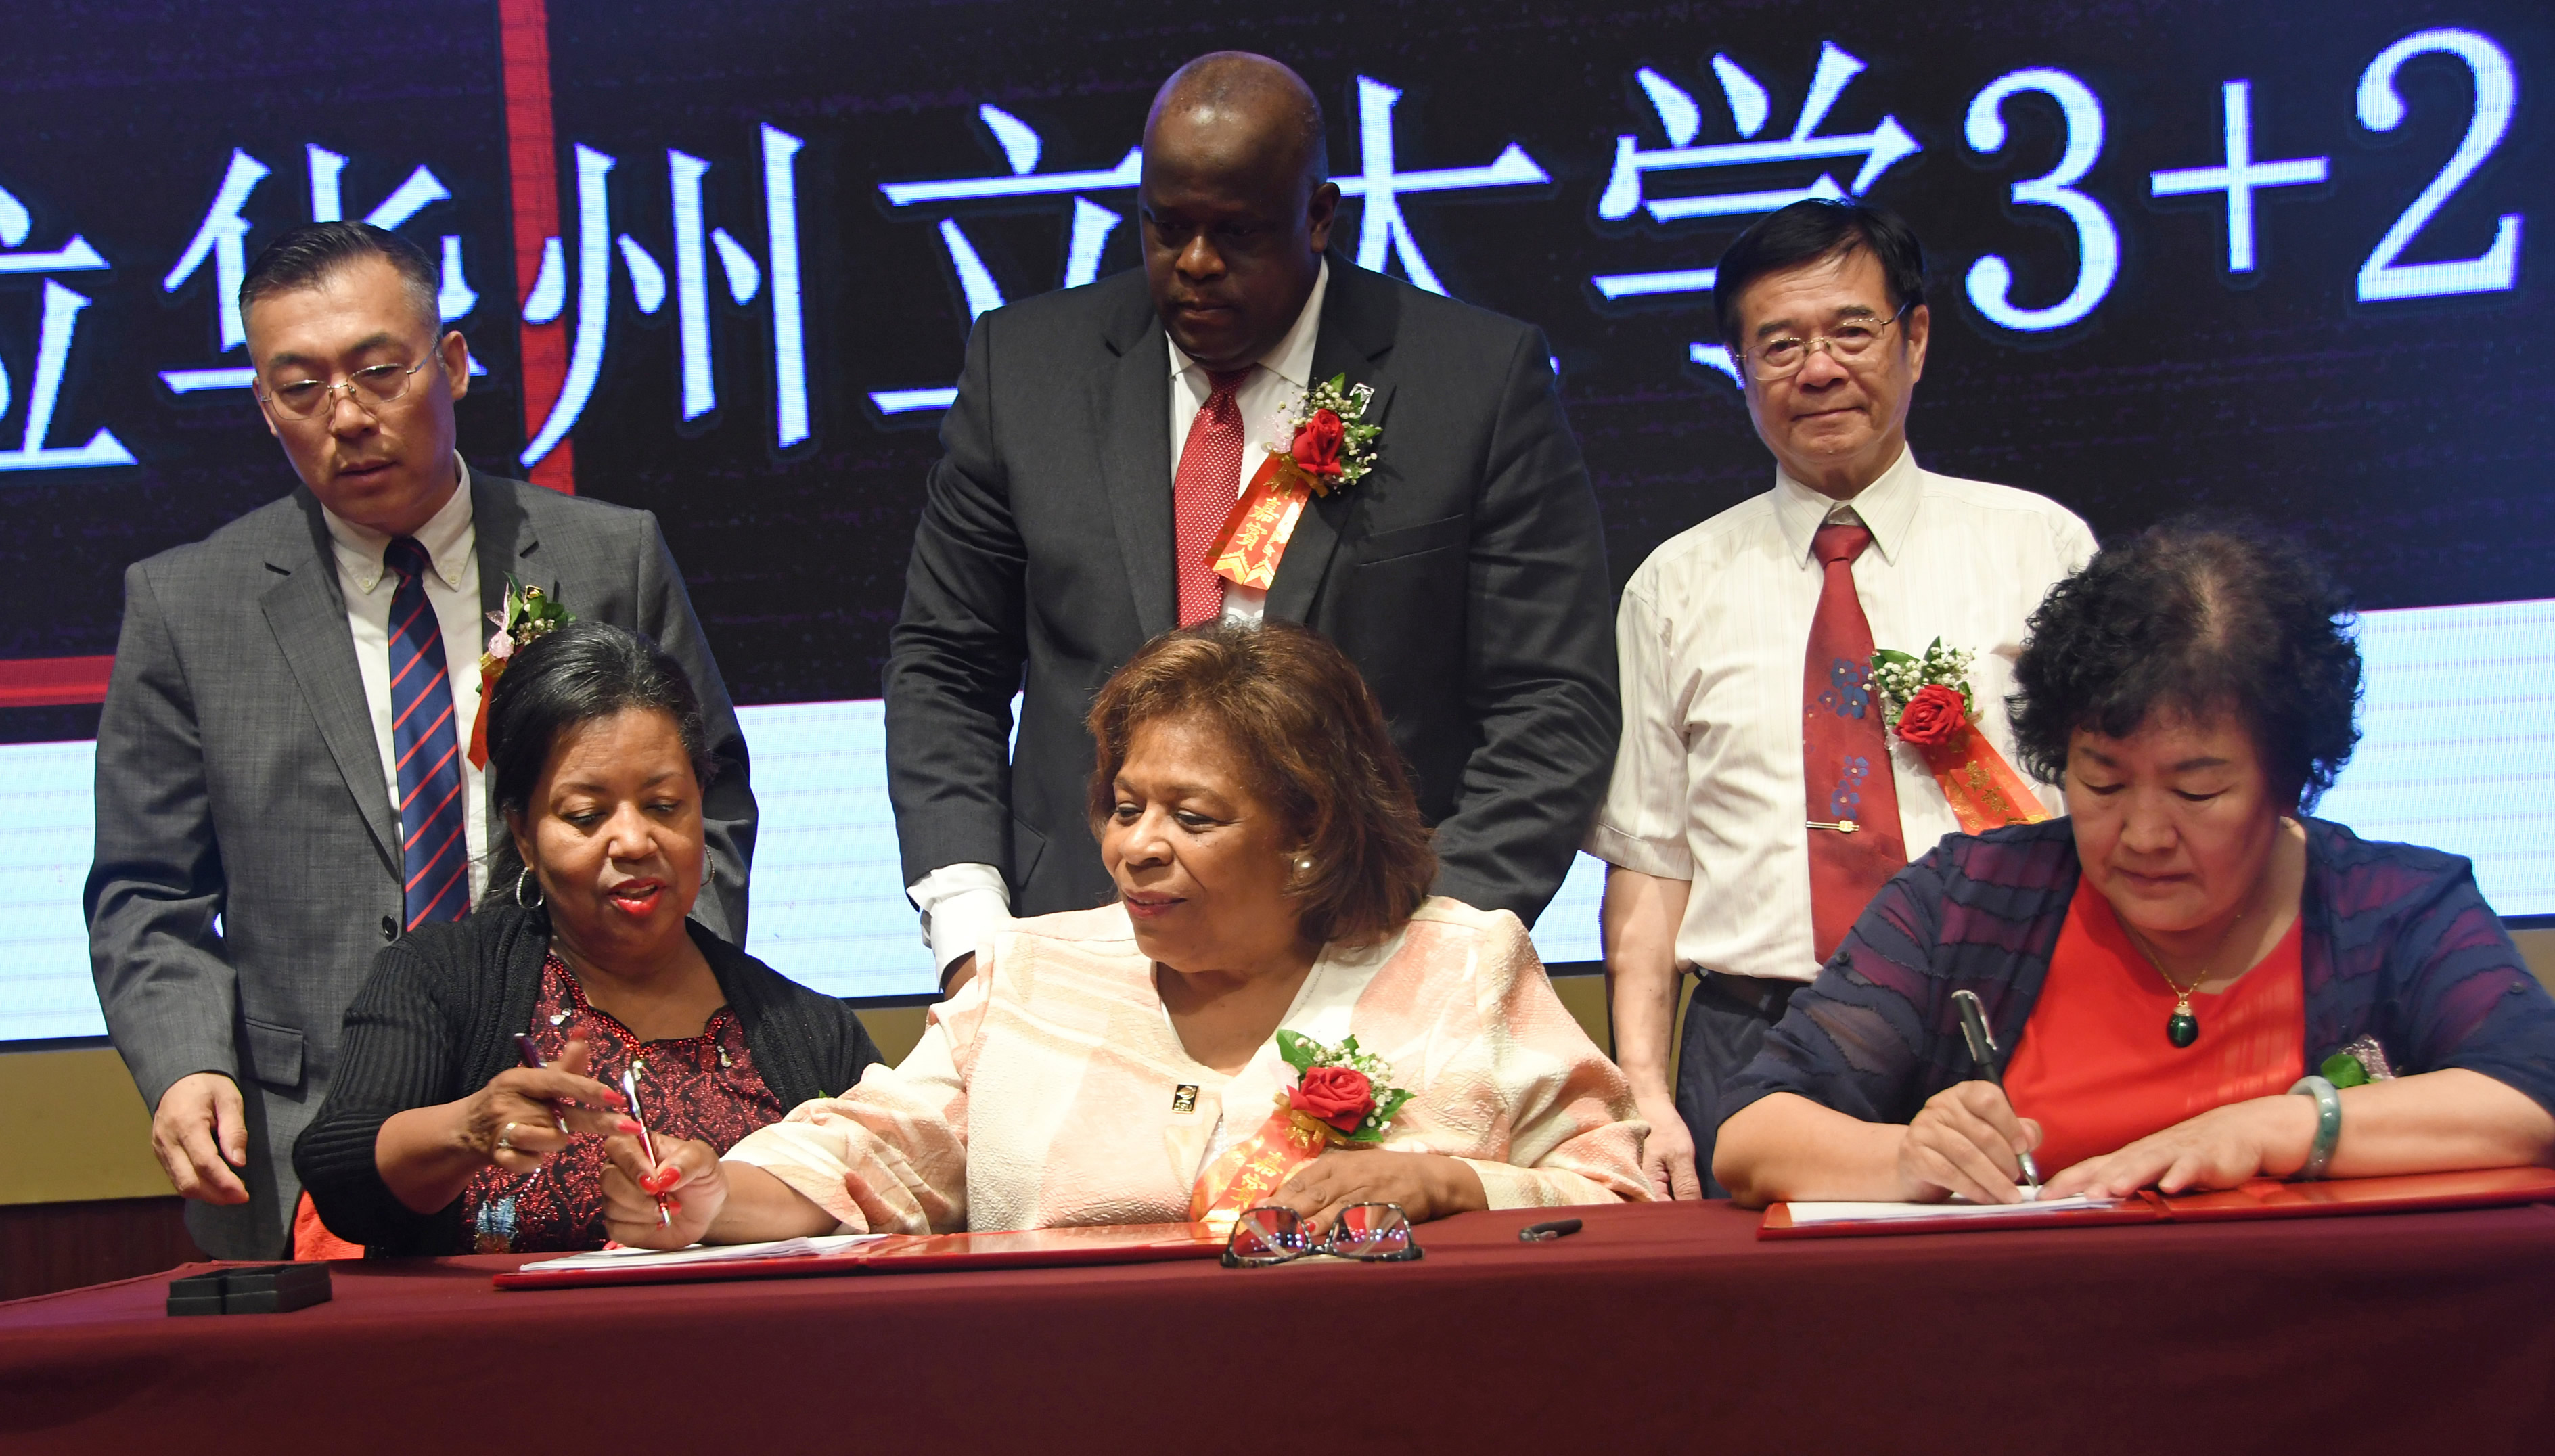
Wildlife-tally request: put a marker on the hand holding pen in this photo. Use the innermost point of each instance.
(662, 1193)
(1966, 1141)
(638, 1121)
(527, 1113)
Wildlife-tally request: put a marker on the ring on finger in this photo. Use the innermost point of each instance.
(506, 1138)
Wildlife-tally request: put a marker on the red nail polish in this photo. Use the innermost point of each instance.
(625, 1126)
(674, 1206)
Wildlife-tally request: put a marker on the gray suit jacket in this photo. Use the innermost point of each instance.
(248, 862)
(1465, 576)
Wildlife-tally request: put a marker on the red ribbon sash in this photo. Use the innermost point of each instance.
(1985, 791)
(1258, 1166)
(1247, 550)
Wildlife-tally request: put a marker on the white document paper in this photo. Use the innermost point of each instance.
(628, 1258)
(1836, 1213)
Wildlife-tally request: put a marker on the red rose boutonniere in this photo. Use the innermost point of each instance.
(1926, 701)
(1328, 447)
(1318, 441)
(1933, 715)
(1341, 1095)
(1902, 680)
(1329, 444)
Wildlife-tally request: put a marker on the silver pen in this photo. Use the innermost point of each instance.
(1983, 1050)
(646, 1139)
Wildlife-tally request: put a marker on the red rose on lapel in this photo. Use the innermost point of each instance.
(1318, 443)
(1932, 716)
(1340, 1096)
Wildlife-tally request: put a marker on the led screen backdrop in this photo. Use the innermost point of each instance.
(720, 262)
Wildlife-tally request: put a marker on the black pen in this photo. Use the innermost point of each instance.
(1983, 1050)
(1545, 1233)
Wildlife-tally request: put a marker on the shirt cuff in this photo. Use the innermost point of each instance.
(961, 905)
(1662, 861)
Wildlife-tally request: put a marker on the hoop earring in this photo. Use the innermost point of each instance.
(525, 875)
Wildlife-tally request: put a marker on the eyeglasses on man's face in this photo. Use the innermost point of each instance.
(1781, 358)
(1376, 1233)
(370, 388)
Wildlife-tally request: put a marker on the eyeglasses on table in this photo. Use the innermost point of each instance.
(1373, 1233)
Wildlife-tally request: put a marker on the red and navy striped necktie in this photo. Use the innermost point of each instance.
(435, 853)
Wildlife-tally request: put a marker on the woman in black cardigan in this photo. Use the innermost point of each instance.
(435, 1138)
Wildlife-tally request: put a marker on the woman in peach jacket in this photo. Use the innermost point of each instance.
(1272, 872)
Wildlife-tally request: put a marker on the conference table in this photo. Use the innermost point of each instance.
(1657, 1327)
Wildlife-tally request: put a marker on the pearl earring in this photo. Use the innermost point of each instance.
(1304, 864)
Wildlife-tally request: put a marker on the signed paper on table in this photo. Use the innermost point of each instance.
(621, 1257)
(1833, 1213)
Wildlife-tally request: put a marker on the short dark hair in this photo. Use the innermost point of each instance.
(579, 674)
(1295, 710)
(2200, 617)
(306, 256)
(1813, 229)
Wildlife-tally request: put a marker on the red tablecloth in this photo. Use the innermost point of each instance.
(1660, 1328)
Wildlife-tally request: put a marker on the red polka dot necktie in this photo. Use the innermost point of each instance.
(1855, 840)
(1203, 491)
(435, 853)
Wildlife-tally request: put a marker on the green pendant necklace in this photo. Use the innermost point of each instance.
(2183, 1027)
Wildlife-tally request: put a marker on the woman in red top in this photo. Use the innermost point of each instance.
(2179, 953)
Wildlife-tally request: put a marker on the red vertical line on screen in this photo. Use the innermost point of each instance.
(532, 166)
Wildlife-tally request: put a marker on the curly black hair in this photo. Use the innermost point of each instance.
(2202, 617)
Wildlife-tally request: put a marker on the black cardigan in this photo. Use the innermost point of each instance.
(435, 1021)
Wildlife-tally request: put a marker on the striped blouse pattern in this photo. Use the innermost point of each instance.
(2397, 942)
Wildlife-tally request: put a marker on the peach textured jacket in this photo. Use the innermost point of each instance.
(1051, 1090)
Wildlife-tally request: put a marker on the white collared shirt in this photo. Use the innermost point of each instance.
(1277, 382)
(452, 589)
(1711, 633)
(963, 903)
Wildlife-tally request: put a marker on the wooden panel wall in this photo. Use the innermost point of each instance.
(46, 1246)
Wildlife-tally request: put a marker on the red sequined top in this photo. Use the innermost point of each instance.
(703, 1087)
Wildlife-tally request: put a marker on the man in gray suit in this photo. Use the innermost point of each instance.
(283, 777)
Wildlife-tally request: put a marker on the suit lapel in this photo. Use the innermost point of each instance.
(308, 619)
(1135, 402)
(1356, 332)
(503, 539)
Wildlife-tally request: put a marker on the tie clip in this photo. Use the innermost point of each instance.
(1842, 826)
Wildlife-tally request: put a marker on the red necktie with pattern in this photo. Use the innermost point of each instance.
(1203, 491)
(1855, 841)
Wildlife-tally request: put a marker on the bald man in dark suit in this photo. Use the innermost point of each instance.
(1094, 429)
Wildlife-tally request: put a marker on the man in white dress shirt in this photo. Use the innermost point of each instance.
(283, 773)
(1100, 439)
(1745, 827)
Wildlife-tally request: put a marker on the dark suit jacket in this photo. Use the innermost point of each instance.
(248, 865)
(1465, 576)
